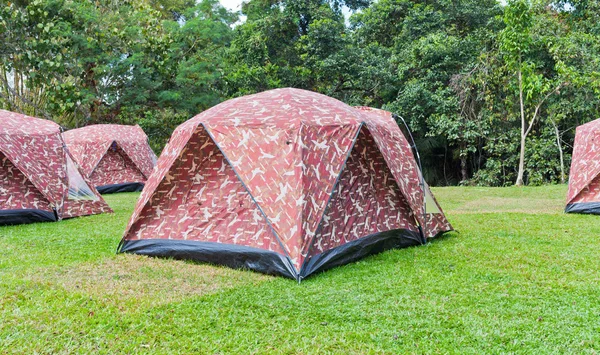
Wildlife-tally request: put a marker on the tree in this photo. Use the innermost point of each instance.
(517, 46)
(434, 51)
(105, 61)
(476, 81)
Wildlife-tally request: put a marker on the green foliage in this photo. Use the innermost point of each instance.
(450, 67)
(542, 165)
(434, 49)
(157, 124)
(501, 160)
(515, 39)
(106, 61)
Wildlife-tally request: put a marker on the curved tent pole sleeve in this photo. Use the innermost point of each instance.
(287, 255)
(120, 146)
(326, 208)
(413, 145)
(102, 157)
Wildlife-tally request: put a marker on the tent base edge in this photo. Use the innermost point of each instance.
(360, 248)
(25, 216)
(583, 207)
(234, 256)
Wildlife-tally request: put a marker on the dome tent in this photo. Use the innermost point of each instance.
(286, 182)
(38, 179)
(116, 158)
(584, 177)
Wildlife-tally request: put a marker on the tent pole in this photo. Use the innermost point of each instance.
(413, 145)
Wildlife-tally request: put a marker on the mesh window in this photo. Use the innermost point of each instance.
(78, 188)
(430, 205)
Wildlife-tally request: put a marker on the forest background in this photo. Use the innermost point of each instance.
(492, 91)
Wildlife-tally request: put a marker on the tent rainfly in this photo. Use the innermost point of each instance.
(286, 182)
(584, 177)
(39, 180)
(116, 158)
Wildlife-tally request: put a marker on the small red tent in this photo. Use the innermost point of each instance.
(38, 179)
(116, 158)
(584, 178)
(286, 182)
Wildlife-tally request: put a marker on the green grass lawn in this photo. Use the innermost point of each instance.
(520, 277)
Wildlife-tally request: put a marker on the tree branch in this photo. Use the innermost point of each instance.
(537, 107)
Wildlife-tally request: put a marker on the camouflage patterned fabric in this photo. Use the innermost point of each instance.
(584, 177)
(112, 154)
(287, 171)
(38, 173)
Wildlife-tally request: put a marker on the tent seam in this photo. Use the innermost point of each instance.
(102, 157)
(419, 224)
(253, 199)
(128, 157)
(337, 180)
(29, 179)
(587, 184)
(137, 218)
(41, 191)
(422, 178)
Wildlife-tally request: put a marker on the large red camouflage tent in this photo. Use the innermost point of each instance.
(286, 182)
(116, 158)
(39, 180)
(584, 177)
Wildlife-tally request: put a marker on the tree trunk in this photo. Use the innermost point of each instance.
(560, 153)
(521, 163)
(519, 181)
(463, 162)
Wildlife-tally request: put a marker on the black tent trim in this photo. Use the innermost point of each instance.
(234, 256)
(360, 248)
(24, 216)
(287, 255)
(583, 207)
(125, 187)
(270, 262)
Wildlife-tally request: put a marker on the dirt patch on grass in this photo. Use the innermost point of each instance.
(507, 204)
(134, 280)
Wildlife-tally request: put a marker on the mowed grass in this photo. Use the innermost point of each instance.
(520, 277)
